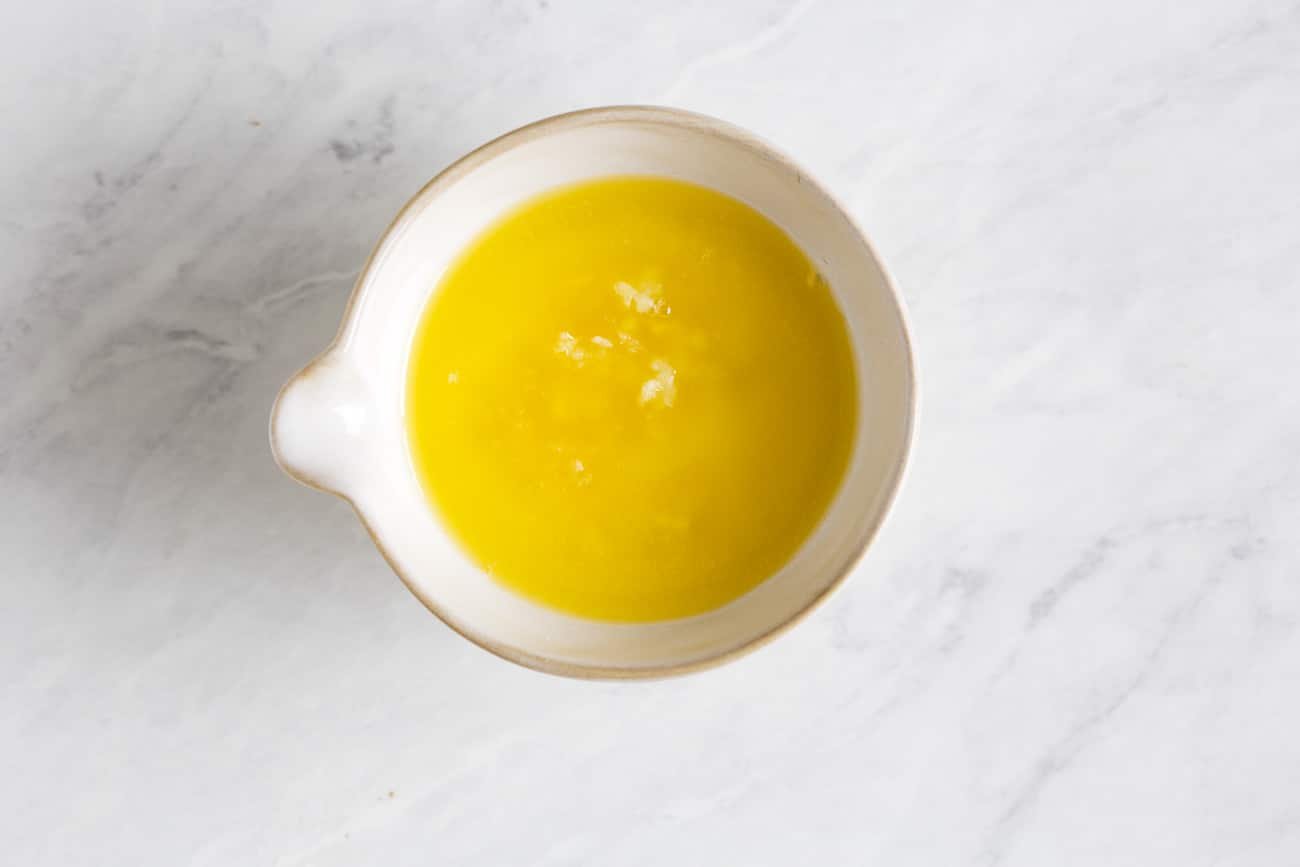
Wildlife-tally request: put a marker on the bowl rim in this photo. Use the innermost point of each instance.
(612, 114)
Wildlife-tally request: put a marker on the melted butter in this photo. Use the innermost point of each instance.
(631, 399)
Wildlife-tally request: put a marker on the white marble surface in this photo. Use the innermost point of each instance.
(1077, 642)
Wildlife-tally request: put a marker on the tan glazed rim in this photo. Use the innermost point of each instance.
(572, 120)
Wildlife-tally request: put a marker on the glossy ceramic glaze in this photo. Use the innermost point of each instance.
(338, 425)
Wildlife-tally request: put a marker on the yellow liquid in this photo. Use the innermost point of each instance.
(631, 399)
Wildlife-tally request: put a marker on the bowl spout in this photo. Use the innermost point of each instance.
(320, 424)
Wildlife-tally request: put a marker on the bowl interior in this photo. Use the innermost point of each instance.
(462, 202)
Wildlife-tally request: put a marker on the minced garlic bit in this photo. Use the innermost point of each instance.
(566, 344)
(580, 470)
(663, 388)
(645, 300)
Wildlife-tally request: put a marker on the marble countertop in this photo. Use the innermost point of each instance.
(1077, 641)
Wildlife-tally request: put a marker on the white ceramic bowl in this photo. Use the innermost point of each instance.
(338, 424)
